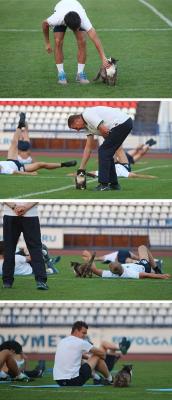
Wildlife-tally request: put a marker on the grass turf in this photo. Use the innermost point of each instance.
(145, 375)
(128, 30)
(55, 184)
(64, 286)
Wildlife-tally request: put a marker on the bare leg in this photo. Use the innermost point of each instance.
(7, 358)
(105, 346)
(121, 156)
(140, 152)
(58, 50)
(144, 253)
(96, 363)
(81, 42)
(13, 149)
(39, 165)
(24, 134)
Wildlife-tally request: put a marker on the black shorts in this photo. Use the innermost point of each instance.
(84, 374)
(122, 255)
(62, 28)
(146, 264)
(130, 158)
(19, 165)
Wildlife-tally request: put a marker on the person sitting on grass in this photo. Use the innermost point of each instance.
(20, 358)
(140, 270)
(68, 367)
(12, 165)
(7, 359)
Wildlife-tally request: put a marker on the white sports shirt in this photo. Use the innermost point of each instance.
(22, 267)
(131, 271)
(8, 167)
(33, 212)
(68, 357)
(110, 116)
(121, 171)
(62, 8)
(24, 161)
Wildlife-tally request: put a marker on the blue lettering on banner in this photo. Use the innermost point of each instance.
(145, 340)
(37, 341)
(48, 238)
(52, 341)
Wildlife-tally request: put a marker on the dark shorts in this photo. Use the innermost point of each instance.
(122, 255)
(62, 28)
(19, 165)
(146, 264)
(84, 374)
(130, 158)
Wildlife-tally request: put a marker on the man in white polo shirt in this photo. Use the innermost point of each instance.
(114, 126)
(68, 367)
(70, 14)
(22, 218)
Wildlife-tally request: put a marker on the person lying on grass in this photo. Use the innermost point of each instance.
(12, 165)
(143, 269)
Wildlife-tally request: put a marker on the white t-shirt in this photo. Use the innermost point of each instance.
(64, 7)
(110, 116)
(121, 171)
(68, 357)
(131, 271)
(22, 267)
(8, 167)
(24, 161)
(33, 212)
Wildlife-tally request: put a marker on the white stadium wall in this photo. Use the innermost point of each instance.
(45, 340)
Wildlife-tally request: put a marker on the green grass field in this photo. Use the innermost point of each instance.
(64, 286)
(129, 31)
(146, 375)
(57, 185)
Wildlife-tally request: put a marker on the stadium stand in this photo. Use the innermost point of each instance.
(157, 314)
(109, 224)
(51, 115)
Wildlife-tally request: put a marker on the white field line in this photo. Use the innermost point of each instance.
(156, 12)
(72, 186)
(13, 30)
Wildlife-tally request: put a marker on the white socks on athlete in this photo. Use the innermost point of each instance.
(60, 67)
(81, 68)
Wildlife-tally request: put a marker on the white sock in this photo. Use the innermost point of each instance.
(96, 376)
(81, 68)
(109, 379)
(60, 67)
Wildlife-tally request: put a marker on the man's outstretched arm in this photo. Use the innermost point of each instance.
(145, 275)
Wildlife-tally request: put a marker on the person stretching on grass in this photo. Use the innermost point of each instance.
(141, 270)
(12, 165)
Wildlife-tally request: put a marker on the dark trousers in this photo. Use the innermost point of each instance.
(12, 228)
(117, 135)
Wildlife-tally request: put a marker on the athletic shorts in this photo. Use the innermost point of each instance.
(19, 165)
(85, 373)
(146, 265)
(62, 28)
(130, 158)
(123, 255)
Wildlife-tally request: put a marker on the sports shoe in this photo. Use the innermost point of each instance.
(124, 345)
(7, 285)
(102, 188)
(39, 369)
(159, 266)
(151, 142)
(41, 285)
(22, 123)
(22, 377)
(82, 78)
(62, 79)
(114, 187)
